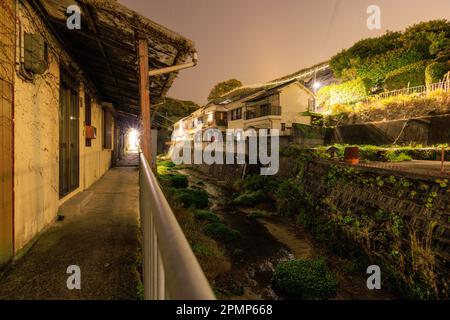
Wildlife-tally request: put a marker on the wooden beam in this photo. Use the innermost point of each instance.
(144, 91)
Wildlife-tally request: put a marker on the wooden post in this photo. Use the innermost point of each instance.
(144, 98)
(443, 160)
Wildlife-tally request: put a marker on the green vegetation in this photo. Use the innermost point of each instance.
(175, 109)
(259, 214)
(287, 196)
(313, 131)
(174, 180)
(305, 279)
(206, 215)
(345, 93)
(435, 72)
(392, 61)
(249, 198)
(371, 153)
(195, 198)
(398, 157)
(223, 87)
(412, 75)
(222, 232)
(166, 163)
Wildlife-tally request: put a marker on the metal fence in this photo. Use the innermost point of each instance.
(419, 91)
(171, 270)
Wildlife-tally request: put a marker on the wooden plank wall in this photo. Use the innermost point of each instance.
(7, 42)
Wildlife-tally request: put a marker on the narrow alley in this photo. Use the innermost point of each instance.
(102, 240)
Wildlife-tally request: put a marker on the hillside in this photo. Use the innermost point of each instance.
(173, 110)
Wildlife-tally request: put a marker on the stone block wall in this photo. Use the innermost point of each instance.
(401, 221)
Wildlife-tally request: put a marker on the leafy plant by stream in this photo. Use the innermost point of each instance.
(305, 279)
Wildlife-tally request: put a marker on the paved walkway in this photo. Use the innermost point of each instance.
(422, 167)
(129, 160)
(102, 241)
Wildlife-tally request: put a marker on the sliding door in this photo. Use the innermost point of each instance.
(69, 139)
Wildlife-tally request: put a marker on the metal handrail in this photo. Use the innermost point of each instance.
(419, 90)
(171, 270)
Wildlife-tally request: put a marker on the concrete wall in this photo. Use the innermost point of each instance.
(425, 131)
(36, 145)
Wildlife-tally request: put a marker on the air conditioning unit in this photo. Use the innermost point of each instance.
(91, 132)
(36, 53)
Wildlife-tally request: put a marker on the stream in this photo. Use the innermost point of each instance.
(263, 244)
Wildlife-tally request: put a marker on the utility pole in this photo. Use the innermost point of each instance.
(144, 91)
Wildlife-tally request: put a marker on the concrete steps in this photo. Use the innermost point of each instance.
(75, 205)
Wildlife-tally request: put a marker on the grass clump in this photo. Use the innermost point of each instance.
(221, 232)
(189, 197)
(178, 181)
(166, 163)
(206, 215)
(259, 214)
(249, 198)
(398, 157)
(305, 279)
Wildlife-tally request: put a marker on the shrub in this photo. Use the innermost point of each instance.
(206, 215)
(394, 156)
(175, 180)
(435, 72)
(412, 75)
(202, 250)
(370, 153)
(290, 196)
(376, 68)
(168, 164)
(257, 182)
(258, 214)
(192, 198)
(306, 279)
(345, 93)
(249, 198)
(220, 231)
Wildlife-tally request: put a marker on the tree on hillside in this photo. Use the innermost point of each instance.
(374, 58)
(175, 109)
(223, 87)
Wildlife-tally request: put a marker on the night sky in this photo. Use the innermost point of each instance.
(259, 40)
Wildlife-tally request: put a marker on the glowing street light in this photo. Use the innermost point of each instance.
(317, 85)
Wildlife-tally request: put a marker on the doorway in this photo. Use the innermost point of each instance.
(69, 138)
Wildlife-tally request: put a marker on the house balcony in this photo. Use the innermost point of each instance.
(216, 123)
(262, 112)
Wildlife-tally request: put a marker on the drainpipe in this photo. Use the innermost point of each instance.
(20, 54)
(179, 67)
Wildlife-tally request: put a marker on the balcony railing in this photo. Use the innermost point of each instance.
(171, 270)
(263, 112)
(221, 122)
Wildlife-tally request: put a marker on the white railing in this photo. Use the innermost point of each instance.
(419, 91)
(171, 270)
